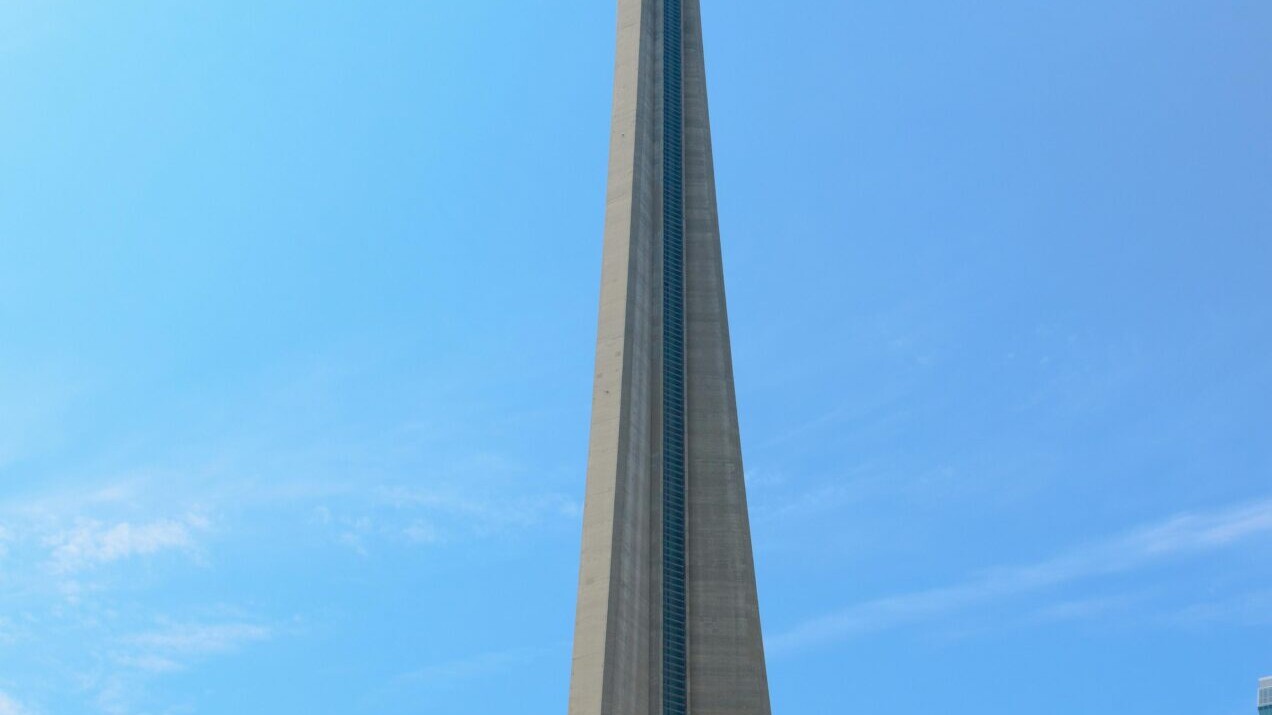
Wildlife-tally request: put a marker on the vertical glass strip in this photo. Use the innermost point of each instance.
(675, 659)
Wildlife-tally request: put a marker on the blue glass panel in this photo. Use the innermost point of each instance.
(675, 648)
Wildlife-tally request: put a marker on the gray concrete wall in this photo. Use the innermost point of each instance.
(612, 641)
(726, 652)
(617, 646)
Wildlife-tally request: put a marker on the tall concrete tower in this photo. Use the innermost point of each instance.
(668, 618)
(1265, 696)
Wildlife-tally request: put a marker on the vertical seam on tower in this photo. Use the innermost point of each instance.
(675, 661)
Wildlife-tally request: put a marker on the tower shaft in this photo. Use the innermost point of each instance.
(668, 618)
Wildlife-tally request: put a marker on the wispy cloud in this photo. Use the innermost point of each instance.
(1247, 609)
(423, 532)
(1179, 536)
(1084, 608)
(484, 514)
(90, 543)
(120, 668)
(9, 706)
(475, 666)
(172, 646)
(433, 516)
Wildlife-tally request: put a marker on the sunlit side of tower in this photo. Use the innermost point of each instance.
(1265, 696)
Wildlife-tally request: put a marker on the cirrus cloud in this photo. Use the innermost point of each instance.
(90, 543)
(9, 706)
(1180, 536)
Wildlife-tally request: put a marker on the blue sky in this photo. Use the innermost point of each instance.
(297, 303)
